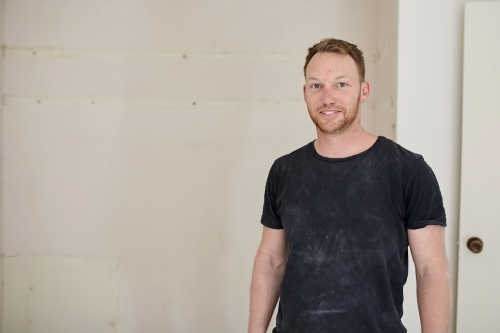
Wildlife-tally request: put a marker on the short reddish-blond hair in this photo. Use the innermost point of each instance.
(341, 47)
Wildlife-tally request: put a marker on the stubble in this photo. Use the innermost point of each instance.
(340, 125)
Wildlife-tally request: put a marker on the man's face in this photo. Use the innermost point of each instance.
(333, 92)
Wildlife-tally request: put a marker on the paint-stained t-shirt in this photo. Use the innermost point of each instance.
(346, 222)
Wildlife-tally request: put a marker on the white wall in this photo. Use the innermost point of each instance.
(141, 133)
(429, 103)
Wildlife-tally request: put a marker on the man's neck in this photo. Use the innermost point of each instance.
(348, 143)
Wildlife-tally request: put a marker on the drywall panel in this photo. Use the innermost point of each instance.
(2, 29)
(61, 294)
(74, 165)
(154, 79)
(385, 64)
(385, 99)
(193, 25)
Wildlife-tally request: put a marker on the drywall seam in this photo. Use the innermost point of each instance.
(114, 102)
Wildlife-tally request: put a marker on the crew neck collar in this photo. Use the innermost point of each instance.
(342, 159)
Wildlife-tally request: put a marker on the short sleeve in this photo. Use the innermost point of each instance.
(270, 212)
(424, 203)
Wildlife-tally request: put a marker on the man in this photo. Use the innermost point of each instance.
(339, 214)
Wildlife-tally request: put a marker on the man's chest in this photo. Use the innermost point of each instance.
(358, 206)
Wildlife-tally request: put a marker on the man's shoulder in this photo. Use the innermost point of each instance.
(398, 152)
(297, 154)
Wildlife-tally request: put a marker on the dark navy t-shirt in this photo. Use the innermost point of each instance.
(345, 221)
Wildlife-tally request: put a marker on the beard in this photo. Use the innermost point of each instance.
(336, 126)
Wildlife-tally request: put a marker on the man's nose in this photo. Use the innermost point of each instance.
(329, 96)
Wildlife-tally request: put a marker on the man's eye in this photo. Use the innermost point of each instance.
(342, 84)
(315, 85)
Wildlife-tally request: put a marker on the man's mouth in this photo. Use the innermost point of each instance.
(329, 111)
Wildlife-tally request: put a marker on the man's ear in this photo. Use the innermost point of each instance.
(304, 91)
(365, 91)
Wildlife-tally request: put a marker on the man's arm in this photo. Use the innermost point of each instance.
(433, 281)
(267, 275)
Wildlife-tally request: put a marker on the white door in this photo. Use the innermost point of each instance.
(478, 277)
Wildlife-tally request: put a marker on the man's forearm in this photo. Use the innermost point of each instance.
(434, 301)
(266, 281)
